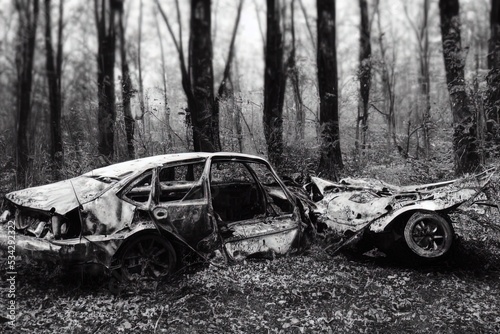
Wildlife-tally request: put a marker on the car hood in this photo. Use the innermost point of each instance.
(63, 196)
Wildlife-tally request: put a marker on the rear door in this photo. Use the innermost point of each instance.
(180, 203)
(253, 211)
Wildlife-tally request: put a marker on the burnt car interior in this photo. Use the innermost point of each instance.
(181, 182)
(235, 192)
(239, 193)
(177, 182)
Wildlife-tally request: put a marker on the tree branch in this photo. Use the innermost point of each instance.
(229, 60)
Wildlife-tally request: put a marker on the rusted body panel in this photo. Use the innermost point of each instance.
(98, 249)
(274, 235)
(107, 214)
(64, 196)
(352, 205)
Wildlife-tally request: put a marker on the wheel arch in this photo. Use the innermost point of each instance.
(178, 246)
(397, 222)
(392, 238)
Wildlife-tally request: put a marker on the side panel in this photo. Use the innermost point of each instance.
(188, 220)
(107, 214)
(259, 236)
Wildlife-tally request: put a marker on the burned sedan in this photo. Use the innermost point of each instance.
(135, 217)
(411, 222)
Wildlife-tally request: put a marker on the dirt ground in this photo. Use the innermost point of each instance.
(308, 293)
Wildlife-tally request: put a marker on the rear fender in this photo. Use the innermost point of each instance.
(401, 215)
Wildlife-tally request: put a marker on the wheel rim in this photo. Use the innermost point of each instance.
(428, 235)
(148, 257)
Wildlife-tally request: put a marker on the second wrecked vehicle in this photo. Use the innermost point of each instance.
(409, 221)
(137, 216)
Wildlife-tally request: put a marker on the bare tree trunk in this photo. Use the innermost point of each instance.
(226, 77)
(464, 139)
(422, 34)
(127, 90)
(331, 155)
(139, 65)
(53, 68)
(205, 118)
(28, 18)
(165, 95)
(300, 117)
(274, 84)
(493, 78)
(425, 78)
(232, 94)
(105, 21)
(365, 66)
(198, 78)
(388, 85)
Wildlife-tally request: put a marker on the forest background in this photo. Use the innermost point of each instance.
(405, 91)
(333, 88)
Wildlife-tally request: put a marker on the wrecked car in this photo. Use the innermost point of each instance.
(138, 216)
(408, 221)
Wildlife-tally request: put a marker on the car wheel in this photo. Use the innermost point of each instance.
(147, 256)
(428, 235)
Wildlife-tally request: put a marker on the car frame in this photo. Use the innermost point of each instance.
(140, 216)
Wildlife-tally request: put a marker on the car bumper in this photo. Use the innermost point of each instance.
(85, 250)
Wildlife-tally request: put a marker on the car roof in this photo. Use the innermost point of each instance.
(126, 168)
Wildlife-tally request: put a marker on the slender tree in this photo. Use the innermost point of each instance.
(330, 155)
(53, 67)
(274, 83)
(421, 31)
(388, 79)
(226, 86)
(127, 89)
(425, 76)
(493, 78)
(494, 43)
(27, 11)
(300, 117)
(139, 65)
(365, 67)
(464, 122)
(105, 11)
(236, 102)
(164, 81)
(197, 76)
(205, 122)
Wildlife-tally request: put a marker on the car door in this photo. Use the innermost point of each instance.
(179, 204)
(254, 213)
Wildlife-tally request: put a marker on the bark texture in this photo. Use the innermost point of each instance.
(53, 67)
(27, 11)
(204, 117)
(331, 155)
(105, 11)
(365, 67)
(464, 138)
(274, 83)
(493, 78)
(127, 89)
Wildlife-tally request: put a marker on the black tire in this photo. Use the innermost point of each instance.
(150, 256)
(428, 235)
